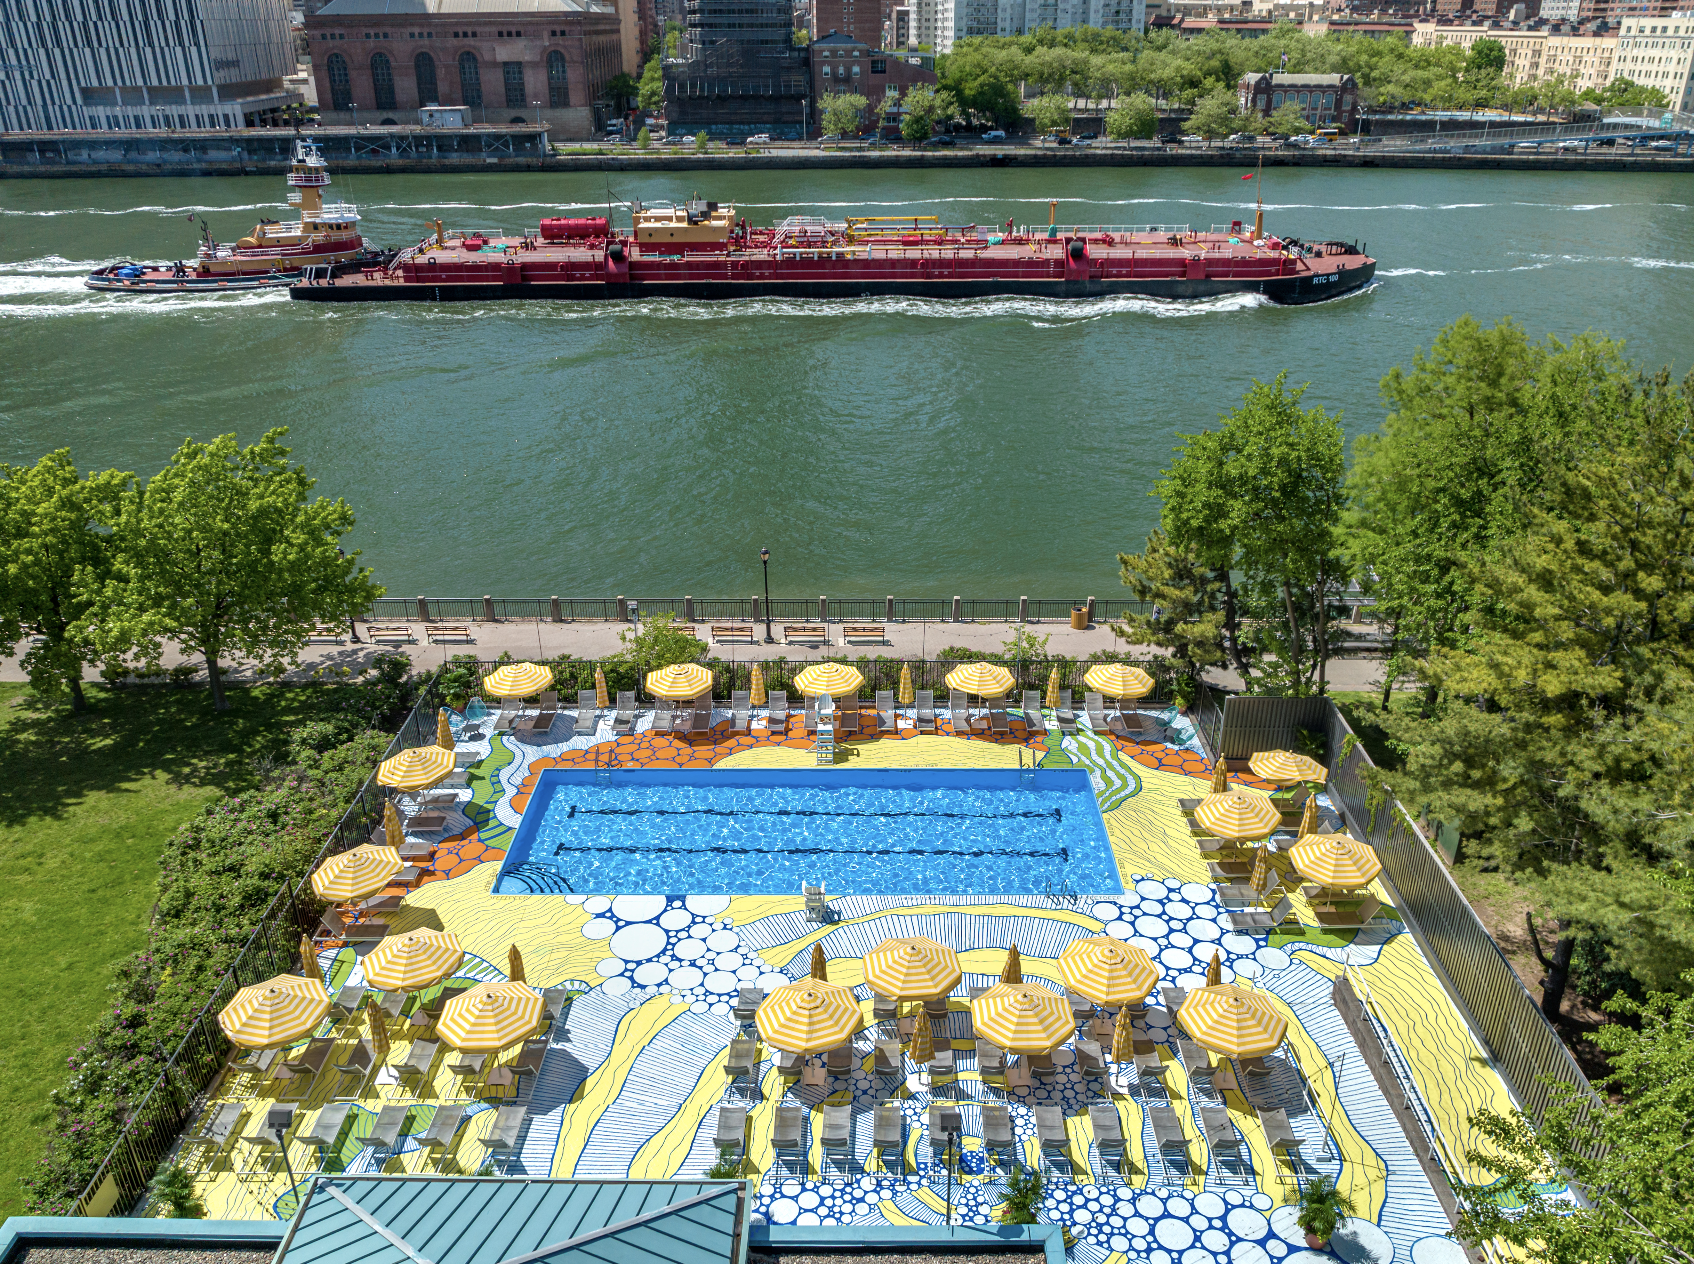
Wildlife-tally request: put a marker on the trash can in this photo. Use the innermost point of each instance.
(1079, 618)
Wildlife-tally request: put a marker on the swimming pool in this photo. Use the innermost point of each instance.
(881, 831)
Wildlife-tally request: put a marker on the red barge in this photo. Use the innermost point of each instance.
(700, 250)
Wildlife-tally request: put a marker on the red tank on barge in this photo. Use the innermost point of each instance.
(700, 250)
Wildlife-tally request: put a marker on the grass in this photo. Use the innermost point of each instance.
(1363, 711)
(86, 805)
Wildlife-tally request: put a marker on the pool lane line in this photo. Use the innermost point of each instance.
(1062, 853)
(1051, 814)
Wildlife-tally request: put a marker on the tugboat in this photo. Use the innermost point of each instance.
(701, 250)
(325, 238)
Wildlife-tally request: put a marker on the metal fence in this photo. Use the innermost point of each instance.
(1523, 1044)
(272, 948)
(744, 609)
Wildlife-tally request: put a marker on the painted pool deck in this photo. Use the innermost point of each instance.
(633, 1075)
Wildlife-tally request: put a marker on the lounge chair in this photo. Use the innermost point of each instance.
(1050, 1130)
(385, 1133)
(840, 1060)
(305, 1064)
(587, 713)
(838, 1133)
(942, 1063)
(1264, 919)
(732, 1128)
(945, 1122)
(334, 926)
(1063, 713)
(1279, 1133)
(883, 1009)
(776, 713)
(553, 1003)
(786, 1133)
(417, 1060)
(326, 1127)
(788, 1066)
(888, 1061)
(936, 1008)
(925, 705)
(740, 712)
(1254, 1066)
(1095, 705)
(1090, 1060)
(443, 1127)
(738, 1064)
(543, 719)
(886, 717)
(1173, 996)
(358, 1060)
(1167, 1130)
(1041, 1065)
(1108, 1134)
(261, 1138)
(623, 722)
(847, 718)
(1220, 1131)
(1344, 918)
(889, 1133)
(503, 1136)
(350, 1000)
(999, 722)
(997, 1135)
(1196, 1059)
(1032, 718)
(747, 1002)
(1082, 1009)
(218, 1126)
(664, 715)
(990, 1058)
(809, 717)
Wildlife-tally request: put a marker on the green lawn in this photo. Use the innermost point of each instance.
(1363, 711)
(86, 804)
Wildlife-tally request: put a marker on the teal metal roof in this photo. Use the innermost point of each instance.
(498, 1220)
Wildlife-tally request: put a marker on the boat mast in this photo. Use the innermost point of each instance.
(1259, 214)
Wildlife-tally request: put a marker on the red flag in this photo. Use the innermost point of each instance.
(1248, 176)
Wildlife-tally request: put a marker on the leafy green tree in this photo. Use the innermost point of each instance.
(1289, 120)
(673, 39)
(926, 109)
(1136, 119)
(1635, 1180)
(1263, 496)
(843, 113)
(1623, 92)
(651, 93)
(55, 546)
(657, 643)
(1216, 115)
(702, 142)
(643, 138)
(1051, 113)
(222, 553)
(620, 88)
(1486, 56)
(1187, 612)
(1023, 1197)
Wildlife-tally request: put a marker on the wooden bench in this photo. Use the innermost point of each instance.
(863, 632)
(449, 632)
(805, 632)
(390, 632)
(733, 631)
(328, 632)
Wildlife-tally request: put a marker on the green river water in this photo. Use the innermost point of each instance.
(918, 448)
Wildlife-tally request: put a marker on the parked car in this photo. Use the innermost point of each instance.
(1241, 138)
(1084, 144)
(1088, 135)
(940, 142)
(762, 138)
(1527, 147)
(1572, 144)
(1664, 146)
(996, 134)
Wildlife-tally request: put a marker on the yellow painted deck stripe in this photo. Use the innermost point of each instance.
(604, 1085)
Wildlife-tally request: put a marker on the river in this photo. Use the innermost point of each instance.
(877, 446)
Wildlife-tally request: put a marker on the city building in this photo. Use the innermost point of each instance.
(1020, 17)
(1658, 52)
(525, 61)
(740, 72)
(842, 64)
(1582, 56)
(861, 20)
(1328, 100)
(144, 64)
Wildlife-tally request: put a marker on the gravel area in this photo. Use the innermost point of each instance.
(866, 1257)
(146, 1255)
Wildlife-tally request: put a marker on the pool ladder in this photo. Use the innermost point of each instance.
(1026, 772)
(603, 765)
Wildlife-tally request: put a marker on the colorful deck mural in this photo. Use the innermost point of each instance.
(633, 1075)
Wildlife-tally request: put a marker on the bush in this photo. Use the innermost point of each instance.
(643, 138)
(1023, 1197)
(702, 142)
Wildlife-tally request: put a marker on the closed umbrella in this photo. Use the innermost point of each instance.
(1238, 813)
(1335, 860)
(907, 697)
(393, 832)
(1123, 1039)
(810, 1016)
(836, 679)
(602, 699)
(1053, 689)
(1118, 680)
(276, 1012)
(514, 964)
(1309, 818)
(416, 769)
(1261, 864)
(409, 962)
(1214, 972)
(1022, 1017)
(679, 680)
(914, 969)
(1107, 971)
(355, 874)
(379, 1030)
(517, 680)
(309, 960)
(1012, 971)
(1220, 778)
(756, 685)
(489, 1017)
(1232, 1021)
(443, 730)
(820, 968)
(1287, 768)
(990, 680)
(923, 1042)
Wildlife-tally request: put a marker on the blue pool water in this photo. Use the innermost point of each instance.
(884, 831)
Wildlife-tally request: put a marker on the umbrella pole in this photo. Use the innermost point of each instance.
(952, 1139)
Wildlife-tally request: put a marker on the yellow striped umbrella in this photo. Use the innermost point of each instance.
(1261, 867)
(1053, 690)
(489, 1017)
(393, 832)
(990, 680)
(836, 679)
(1119, 680)
(1335, 860)
(1220, 778)
(443, 730)
(1309, 818)
(415, 769)
(923, 1041)
(914, 969)
(906, 696)
(1238, 813)
(1232, 1021)
(810, 1016)
(514, 965)
(1012, 971)
(756, 687)
(1107, 972)
(352, 875)
(517, 680)
(378, 1028)
(679, 680)
(1123, 1040)
(1214, 972)
(1022, 1017)
(405, 963)
(1286, 768)
(276, 1012)
(602, 699)
(820, 966)
(309, 960)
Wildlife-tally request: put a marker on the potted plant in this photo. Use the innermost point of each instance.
(1322, 1208)
(1184, 689)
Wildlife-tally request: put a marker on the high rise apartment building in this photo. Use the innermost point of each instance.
(143, 64)
(1020, 17)
(1658, 52)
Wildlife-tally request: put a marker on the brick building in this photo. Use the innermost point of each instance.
(862, 20)
(1328, 100)
(842, 64)
(507, 61)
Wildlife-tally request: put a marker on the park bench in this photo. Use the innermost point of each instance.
(863, 632)
(390, 632)
(328, 632)
(732, 631)
(449, 632)
(815, 632)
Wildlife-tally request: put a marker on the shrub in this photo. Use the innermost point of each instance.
(727, 1168)
(1023, 1197)
(173, 1187)
(643, 138)
(701, 142)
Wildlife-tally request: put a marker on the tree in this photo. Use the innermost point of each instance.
(1288, 119)
(1622, 92)
(1051, 113)
(1136, 119)
(1263, 497)
(657, 643)
(643, 138)
(1187, 614)
(55, 545)
(1486, 57)
(926, 109)
(702, 142)
(843, 113)
(1635, 1180)
(1215, 115)
(650, 96)
(620, 88)
(222, 553)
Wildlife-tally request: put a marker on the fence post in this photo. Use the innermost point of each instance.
(556, 618)
(487, 608)
(957, 606)
(758, 607)
(688, 609)
(1023, 609)
(1091, 610)
(888, 609)
(623, 609)
(823, 609)
(423, 609)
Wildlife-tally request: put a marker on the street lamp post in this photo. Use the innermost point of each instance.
(279, 1127)
(765, 557)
